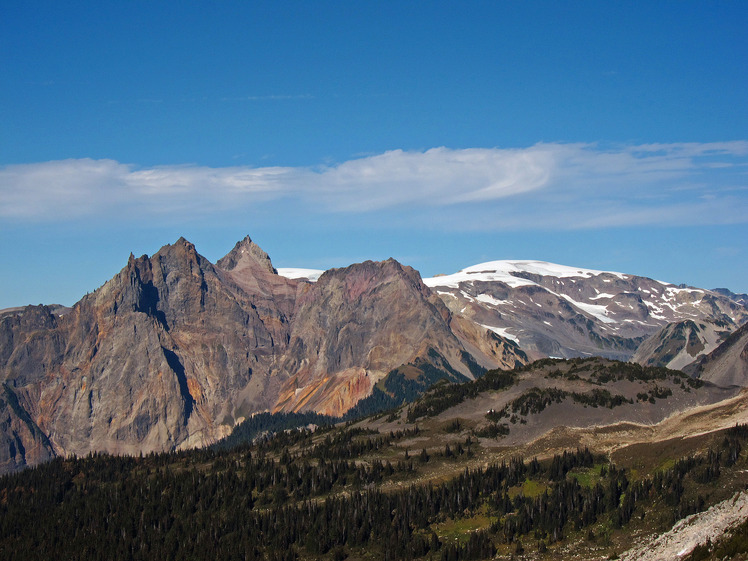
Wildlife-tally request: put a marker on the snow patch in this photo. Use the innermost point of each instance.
(597, 310)
(488, 299)
(445, 293)
(502, 332)
(312, 275)
(467, 296)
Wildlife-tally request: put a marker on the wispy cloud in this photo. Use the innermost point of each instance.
(548, 185)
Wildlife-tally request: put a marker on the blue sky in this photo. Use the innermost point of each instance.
(607, 135)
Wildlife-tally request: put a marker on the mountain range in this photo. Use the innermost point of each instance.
(175, 351)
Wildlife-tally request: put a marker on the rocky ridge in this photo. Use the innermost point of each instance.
(727, 365)
(681, 343)
(557, 311)
(174, 351)
(159, 357)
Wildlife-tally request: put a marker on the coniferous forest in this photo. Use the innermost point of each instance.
(316, 495)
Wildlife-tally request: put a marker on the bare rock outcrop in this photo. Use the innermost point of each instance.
(22, 442)
(727, 365)
(354, 325)
(174, 351)
(167, 354)
(681, 343)
(694, 530)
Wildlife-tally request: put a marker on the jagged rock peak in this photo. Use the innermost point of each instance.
(245, 252)
(180, 246)
(179, 254)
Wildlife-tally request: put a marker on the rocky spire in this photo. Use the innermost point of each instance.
(245, 254)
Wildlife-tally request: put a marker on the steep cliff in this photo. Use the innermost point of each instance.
(22, 442)
(168, 353)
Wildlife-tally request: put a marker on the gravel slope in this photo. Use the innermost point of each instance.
(693, 530)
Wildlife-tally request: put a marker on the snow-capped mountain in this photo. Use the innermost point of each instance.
(556, 310)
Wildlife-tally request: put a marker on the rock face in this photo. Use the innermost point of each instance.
(22, 442)
(166, 354)
(727, 365)
(679, 344)
(357, 324)
(174, 351)
(558, 311)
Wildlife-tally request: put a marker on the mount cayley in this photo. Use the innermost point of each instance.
(175, 351)
(559, 311)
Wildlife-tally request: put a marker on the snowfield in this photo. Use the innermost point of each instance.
(505, 271)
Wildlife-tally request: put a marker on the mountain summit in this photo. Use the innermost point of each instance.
(174, 351)
(356, 324)
(246, 254)
(559, 311)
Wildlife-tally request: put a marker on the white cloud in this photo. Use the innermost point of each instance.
(60, 189)
(548, 185)
(439, 176)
